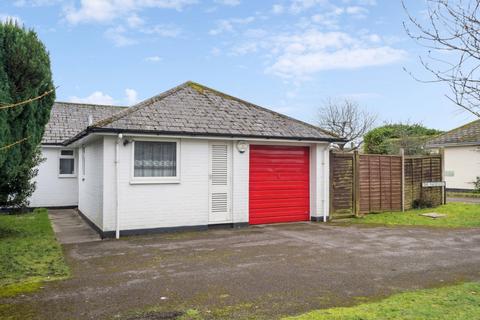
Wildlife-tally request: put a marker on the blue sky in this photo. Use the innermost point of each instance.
(287, 55)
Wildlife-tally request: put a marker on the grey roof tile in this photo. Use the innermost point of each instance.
(466, 134)
(68, 119)
(193, 108)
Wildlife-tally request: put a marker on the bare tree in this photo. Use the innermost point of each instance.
(347, 120)
(451, 33)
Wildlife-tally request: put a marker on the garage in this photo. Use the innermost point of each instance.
(279, 184)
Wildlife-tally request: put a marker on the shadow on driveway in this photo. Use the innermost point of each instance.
(256, 272)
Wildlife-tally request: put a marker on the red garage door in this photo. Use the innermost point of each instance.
(279, 184)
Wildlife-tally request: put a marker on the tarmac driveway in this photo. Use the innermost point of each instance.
(256, 272)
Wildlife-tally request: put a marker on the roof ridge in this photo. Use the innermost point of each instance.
(190, 83)
(454, 130)
(82, 104)
(138, 106)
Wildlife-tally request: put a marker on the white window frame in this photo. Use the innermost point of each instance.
(60, 156)
(155, 180)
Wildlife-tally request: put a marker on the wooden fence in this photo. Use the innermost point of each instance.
(364, 183)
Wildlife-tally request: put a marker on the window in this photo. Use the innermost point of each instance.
(153, 159)
(67, 163)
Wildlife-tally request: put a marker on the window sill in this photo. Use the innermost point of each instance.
(61, 176)
(155, 181)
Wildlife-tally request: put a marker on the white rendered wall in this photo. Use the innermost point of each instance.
(161, 205)
(319, 180)
(147, 206)
(464, 163)
(91, 184)
(52, 190)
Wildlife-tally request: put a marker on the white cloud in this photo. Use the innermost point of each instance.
(278, 9)
(6, 18)
(299, 55)
(118, 36)
(153, 59)
(231, 3)
(228, 25)
(162, 31)
(134, 21)
(35, 3)
(131, 96)
(215, 52)
(298, 6)
(109, 10)
(357, 11)
(97, 97)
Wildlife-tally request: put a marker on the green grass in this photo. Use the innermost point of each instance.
(460, 302)
(29, 253)
(459, 215)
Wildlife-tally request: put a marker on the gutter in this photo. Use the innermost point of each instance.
(194, 134)
(453, 144)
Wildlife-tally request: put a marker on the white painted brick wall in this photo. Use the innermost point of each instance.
(53, 191)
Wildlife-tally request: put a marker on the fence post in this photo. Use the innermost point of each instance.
(356, 183)
(402, 154)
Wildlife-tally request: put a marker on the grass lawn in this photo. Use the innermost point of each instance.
(455, 302)
(29, 253)
(458, 215)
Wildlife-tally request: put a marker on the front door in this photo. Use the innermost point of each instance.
(220, 182)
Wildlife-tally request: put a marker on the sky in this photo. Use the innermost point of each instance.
(287, 55)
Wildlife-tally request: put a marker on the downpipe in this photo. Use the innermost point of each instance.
(117, 186)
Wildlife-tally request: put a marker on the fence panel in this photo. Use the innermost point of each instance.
(342, 184)
(364, 183)
(380, 183)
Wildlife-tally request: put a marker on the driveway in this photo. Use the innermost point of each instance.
(256, 272)
(464, 200)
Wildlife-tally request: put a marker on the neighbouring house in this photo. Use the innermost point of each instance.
(189, 157)
(462, 155)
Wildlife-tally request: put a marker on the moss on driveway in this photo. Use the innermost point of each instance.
(458, 215)
(29, 253)
(261, 272)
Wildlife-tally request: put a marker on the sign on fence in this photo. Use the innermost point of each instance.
(433, 184)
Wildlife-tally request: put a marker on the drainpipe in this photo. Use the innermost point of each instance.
(325, 183)
(117, 186)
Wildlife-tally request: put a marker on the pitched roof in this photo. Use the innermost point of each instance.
(193, 109)
(465, 135)
(68, 119)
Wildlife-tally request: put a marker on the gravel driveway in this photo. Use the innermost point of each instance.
(255, 272)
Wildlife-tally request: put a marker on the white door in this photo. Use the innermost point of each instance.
(220, 182)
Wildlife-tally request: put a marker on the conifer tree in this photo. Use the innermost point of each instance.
(26, 98)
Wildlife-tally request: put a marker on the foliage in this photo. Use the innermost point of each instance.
(461, 302)
(422, 204)
(346, 120)
(24, 74)
(476, 185)
(459, 215)
(389, 138)
(29, 253)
